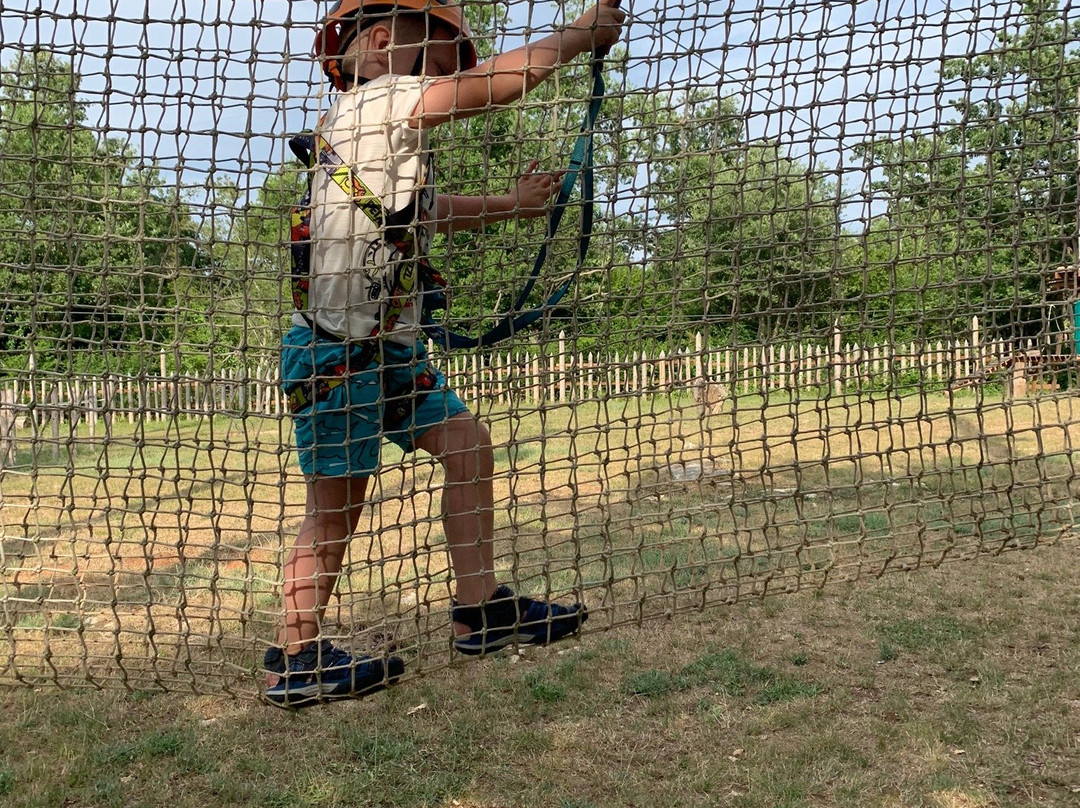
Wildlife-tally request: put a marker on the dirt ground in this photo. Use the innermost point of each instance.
(153, 561)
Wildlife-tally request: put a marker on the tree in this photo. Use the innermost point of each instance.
(741, 237)
(90, 246)
(982, 209)
(250, 287)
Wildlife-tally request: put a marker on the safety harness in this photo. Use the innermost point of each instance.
(314, 150)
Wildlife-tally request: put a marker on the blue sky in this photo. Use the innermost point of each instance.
(201, 87)
(195, 85)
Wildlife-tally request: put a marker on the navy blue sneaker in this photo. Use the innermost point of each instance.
(321, 672)
(506, 619)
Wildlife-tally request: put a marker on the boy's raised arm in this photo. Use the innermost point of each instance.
(510, 76)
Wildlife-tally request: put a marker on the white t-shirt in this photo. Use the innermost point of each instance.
(353, 262)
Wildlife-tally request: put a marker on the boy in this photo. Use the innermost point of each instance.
(353, 365)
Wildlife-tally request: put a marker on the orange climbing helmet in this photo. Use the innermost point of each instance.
(331, 41)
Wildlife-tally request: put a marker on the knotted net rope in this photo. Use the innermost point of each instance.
(827, 328)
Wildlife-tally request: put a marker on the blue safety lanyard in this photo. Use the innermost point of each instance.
(581, 164)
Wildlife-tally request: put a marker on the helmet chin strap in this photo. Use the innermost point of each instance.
(418, 65)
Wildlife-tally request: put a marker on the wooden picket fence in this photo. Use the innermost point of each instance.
(521, 379)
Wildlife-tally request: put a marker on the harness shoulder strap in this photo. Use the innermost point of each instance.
(342, 174)
(312, 150)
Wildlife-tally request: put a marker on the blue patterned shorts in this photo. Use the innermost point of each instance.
(340, 432)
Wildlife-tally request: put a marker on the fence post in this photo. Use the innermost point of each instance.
(54, 418)
(838, 360)
(976, 345)
(699, 347)
(562, 366)
(92, 407)
(576, 377)
(537, 386)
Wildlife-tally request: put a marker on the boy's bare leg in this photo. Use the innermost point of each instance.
(463, 446)
(333, 509)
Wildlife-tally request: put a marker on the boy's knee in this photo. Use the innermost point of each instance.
(465, 432)
(468, 443)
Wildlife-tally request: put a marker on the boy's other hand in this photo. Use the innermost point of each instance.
(535, 189)
(603, 23)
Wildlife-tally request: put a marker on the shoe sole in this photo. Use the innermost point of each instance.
(309, 695)
(298, 696)
(492, 645)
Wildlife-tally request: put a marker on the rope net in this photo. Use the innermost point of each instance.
(826, 328)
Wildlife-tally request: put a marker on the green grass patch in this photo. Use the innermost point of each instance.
(156, 743)
(725, 671)
(652, 683)
(734, 674)
(543, 690)
(785, 688)
(934, 632)
(65, 621)
(368, 749)
(394, 766)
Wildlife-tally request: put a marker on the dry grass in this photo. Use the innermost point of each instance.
(647, 511)
(950, 687)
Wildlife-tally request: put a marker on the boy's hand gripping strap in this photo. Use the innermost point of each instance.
(581, 163)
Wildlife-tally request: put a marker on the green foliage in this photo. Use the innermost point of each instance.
(485, 156)
(250, 302)
(106, 267)
(92, 248)
(742, 238)
(984, 206)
